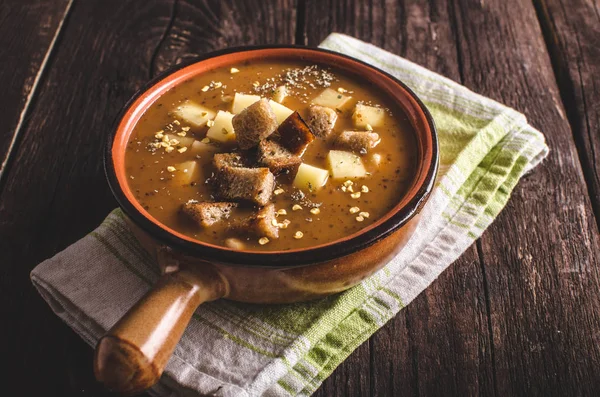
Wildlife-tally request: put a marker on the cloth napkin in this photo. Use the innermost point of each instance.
(234, 349)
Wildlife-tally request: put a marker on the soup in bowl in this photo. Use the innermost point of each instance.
(265, 175)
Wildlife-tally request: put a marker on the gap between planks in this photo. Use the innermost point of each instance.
(453, 21)
(566, 90)
(301, 38)
(32, 94)
(152, 67)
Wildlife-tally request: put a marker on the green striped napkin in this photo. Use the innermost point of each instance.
(234, 349)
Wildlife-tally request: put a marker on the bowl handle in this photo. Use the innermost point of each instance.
(131, 357)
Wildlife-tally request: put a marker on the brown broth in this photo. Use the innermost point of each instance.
(156, 190)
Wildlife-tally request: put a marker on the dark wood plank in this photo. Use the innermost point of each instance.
(541, 256)
(572, 32)
(440, 344)
(28, 32)
(527, 266)
(539, 278)
(351, 378)
(58, 191)
(203, 26)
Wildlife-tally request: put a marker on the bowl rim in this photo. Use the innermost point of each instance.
(392, 221)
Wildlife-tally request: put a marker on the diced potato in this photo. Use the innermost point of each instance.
(331, 99)
(242, 101)
(309, 177)
(182, 140)
(368, 115)
(222, 129)
(280, 94)
(344, 165)
(201, 149)
(185, 173)
(194, 114)
(281, 112)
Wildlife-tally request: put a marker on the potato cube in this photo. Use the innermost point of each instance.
(193, 113)
(368, 115)
(242, 101)
(344, 165)
(185, 173)
(280, 94)
(331, 99)
(201, 149)
(309, 177)
(222, 129)
(281, 112)
(181, 140)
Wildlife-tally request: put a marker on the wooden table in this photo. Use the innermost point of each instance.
(518, 313)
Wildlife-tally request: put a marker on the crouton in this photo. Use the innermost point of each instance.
(254, 124)
(321, 120)
(234, 181)
(223, 160)
(260, 224)
(357, 141)
(276, 157)
(294, 134)
(207, 214)
(249, 184)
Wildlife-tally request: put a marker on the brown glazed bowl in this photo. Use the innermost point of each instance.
(132, 355)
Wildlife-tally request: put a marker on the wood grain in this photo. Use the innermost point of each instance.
(28, 33)
(202, 26)
(517, 314)
(58, 192)
(541, 255)
(499, 52)
(431, 346)
(572, 33)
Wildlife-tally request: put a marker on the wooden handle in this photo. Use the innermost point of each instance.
(131, 357)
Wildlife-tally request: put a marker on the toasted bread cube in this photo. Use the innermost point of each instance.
(207, 214)
(310, 177)
(242, 101)
(222, 129)
(263, 222)
(194, 114)
(368, 115)
(185, 173)
(254, 124)
(249, 184)
(344, 165)
(181, 140)
(357, 141)
(276, 157)
(223, 160)
(281, 112)
(295, 135)
(280, 94)
(259, 224)
(331, 99)
(321, 120)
